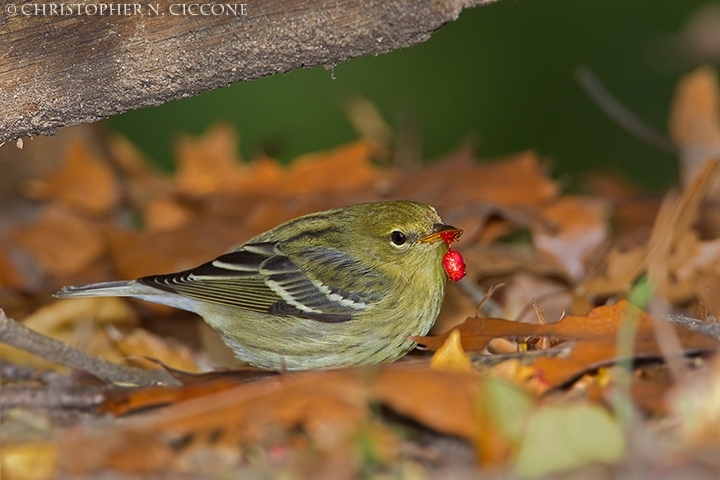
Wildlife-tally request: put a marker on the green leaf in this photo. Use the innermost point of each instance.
(563, 438)
(641, 293)
(510, 407)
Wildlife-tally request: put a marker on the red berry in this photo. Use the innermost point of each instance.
(449, 236)
(454, 265)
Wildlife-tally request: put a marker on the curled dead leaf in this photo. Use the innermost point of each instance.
(451, 356)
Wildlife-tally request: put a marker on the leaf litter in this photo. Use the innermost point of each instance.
(529, 390)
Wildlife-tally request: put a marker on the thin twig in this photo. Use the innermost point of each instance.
(706, 327)
(544, 342)
(19, 336)
(619, 113)
(667, 339)
(73, 397)
(481, 298)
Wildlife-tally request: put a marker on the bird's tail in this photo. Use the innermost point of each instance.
(104, 289)
(130, 289)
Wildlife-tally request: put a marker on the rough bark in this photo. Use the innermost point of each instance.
(68, 68)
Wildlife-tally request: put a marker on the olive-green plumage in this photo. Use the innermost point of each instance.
(331, 289)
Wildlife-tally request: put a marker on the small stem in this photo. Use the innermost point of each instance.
(623, 371)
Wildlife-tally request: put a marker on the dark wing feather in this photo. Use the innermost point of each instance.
(259, 277)
(240, 286)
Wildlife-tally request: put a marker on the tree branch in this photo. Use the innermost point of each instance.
(59, 70)
(19, 336)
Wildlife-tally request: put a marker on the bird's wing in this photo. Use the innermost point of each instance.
(261, 278)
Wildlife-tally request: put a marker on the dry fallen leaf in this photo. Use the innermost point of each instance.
(141, 343)
(451, 356)
(621, 270)
(10, 275)
(217, 201)
(335, 403)
(165, 213)
(456, 307)
(209, 163)
(500, 259)
(32, 460)
(594, 336)
(658, 258)
(345, 168)
(64, 313)
(443, 401)
(522, 289)
(579, 229)
(136, 253)
(529, 378)
(694, 123)
(60, 241)
(695, 402)
(514, 180)
(84, 182)
(80, 322)
(332, 407)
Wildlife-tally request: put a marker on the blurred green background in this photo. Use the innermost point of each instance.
(502, 74)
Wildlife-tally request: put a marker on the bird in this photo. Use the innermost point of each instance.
(339, 288)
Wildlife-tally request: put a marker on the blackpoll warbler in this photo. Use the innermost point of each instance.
(331, 289)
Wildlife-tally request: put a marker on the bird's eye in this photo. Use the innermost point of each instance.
(398, 238)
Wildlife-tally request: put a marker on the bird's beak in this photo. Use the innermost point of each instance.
(443, 232)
